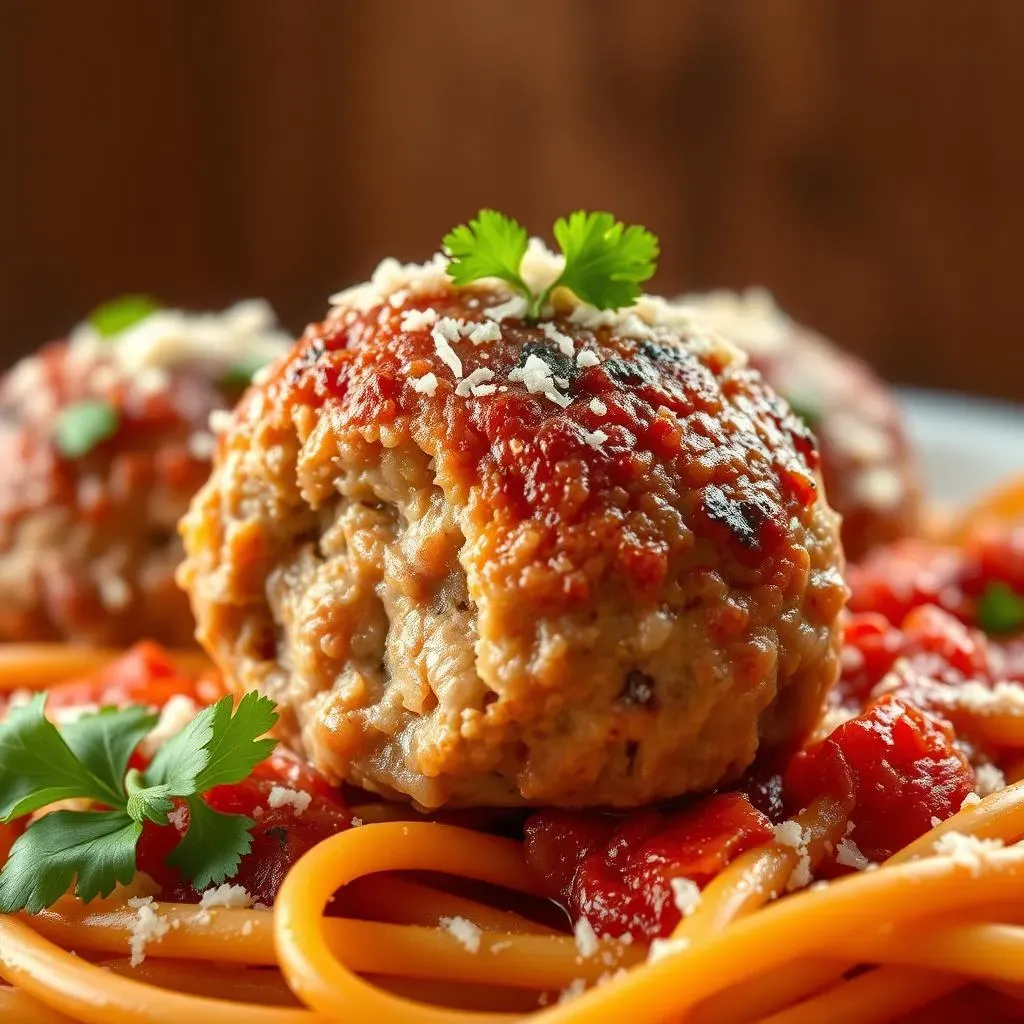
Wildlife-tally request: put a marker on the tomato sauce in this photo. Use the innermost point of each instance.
(912, 637)
(676, 423)
(617, 871)
(280, 836)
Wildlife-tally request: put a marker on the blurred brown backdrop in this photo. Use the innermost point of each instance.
(863, 158)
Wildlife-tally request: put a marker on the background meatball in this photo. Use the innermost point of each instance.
(866, 461)
(103, 441)
(483, 562)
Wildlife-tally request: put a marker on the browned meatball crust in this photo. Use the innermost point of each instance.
(89, 543)
(480, 561)
(866, 460)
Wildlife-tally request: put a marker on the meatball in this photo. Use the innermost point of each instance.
(483, 561)
(103, 442)
(866, 461)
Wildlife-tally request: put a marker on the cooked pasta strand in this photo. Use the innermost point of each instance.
(395, 900)
(35, 666)
(88, 993)
(799, 926)
(751, 880)
(367, 947)
(880, 995)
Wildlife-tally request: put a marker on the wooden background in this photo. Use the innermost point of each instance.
(863, 158)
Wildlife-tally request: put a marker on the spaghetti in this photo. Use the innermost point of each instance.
(416, 921)
(926, 923)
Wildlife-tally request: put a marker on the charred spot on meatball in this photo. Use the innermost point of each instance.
(518, 595)
(744, 519)
(638, 690)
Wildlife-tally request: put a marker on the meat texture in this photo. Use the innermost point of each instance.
(103, 442)
(485, 561)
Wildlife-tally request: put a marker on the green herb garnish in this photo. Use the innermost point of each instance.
(118, 315)
(81, 426)
(605, 261)
(805, 408)
(238, 377)
(88, 759)
(1000, 609)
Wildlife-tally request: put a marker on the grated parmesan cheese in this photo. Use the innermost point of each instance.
(585, 358)
(225, 895)
(480, 334)
(1004, 698)
(789, 833)
(425, 385)
(563, 341)
(750, 319)
(282, 796)
(446, 331)
(243, 334)
(595, 438)
(878, 487)
(598, 407)
(148, 926)
(536, 375)
(418, 319)
(220, 421)
(849, 855)
(662, 948)
(685, 895)
(174, 716)
(540, 267)
(586, 938)
(472, 383)
(515, 309)
(988, 779)
(574, 989)
(463, 931)
(391, 277)
(151, 380)
(967, 851)
(201, 445)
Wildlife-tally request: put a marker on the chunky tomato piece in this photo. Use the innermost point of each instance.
(894, 580)
(931, 640)
(995, 553)
(900, 767)
(617, 871)
(279, 838)
(145, 674)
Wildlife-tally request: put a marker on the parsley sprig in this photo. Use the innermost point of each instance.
(605, 261)
(1000, 609)
(88, 760)
(119, 314)
(81, 426)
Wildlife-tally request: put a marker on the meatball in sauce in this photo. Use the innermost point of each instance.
(479, 560)
(104, 439)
